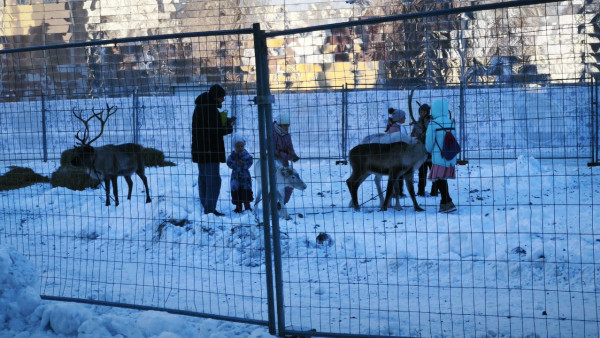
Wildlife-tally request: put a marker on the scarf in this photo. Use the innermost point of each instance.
(277, 128)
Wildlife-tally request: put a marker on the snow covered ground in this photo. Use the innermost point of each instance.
(23, 314)
(520, 257)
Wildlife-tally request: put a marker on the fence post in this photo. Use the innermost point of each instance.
(44, 133)
(345, 123)
(594, 123)
(136, 116)
(463, 64)
(461, 122)
(267, 172)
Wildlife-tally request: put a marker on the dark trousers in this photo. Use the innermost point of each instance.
(423, 177)
(423, 180)
(442, 185)
(209, 185)
(241, 196)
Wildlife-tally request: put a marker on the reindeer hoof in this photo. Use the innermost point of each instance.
(419, 209)
(148, 200)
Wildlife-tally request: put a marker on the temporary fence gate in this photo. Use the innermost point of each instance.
(495, 271)
(518, 258)
(163, 255)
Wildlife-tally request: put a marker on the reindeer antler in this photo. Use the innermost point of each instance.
(100, 117)
(410, 111)
(82, 140)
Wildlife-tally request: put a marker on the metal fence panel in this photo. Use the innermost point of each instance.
(164, 255)
(512, 260)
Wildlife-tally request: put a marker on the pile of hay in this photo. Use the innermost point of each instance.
(73, 178)
(18, 177)
(69, 176)
(155, 158)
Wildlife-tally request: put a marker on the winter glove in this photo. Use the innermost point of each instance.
(231, 121)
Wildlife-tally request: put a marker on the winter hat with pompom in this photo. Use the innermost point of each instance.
(237, 138)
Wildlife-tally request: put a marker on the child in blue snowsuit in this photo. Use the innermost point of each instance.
(240, 162)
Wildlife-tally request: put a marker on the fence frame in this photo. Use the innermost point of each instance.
(136, 115)
(595, 121)
(460, 160)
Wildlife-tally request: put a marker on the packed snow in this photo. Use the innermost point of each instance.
(24, 314)
(519, 257)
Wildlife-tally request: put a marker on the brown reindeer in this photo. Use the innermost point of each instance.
(398, 160)
(387, 154)
(109, 161)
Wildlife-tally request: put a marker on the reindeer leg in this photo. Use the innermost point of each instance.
(129, 185)
(409, 180)
(258, 195)
(390, 189)
(140, 173)
(396, 193)
(353, 182)
(115, 190)
(379, 191)
(281, 209)
(107, 188)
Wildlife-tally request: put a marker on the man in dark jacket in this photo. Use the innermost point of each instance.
(208, 148)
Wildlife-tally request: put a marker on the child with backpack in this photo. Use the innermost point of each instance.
(240, 162)
(443, 149)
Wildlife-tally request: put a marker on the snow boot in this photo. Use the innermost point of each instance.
(238, 209)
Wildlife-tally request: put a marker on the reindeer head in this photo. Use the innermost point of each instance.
(292, 178)
(84, 152)
(83, 157)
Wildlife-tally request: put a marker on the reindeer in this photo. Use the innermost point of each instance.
(284, 177)
(109, 161)
(384, 138)
(397, 160)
